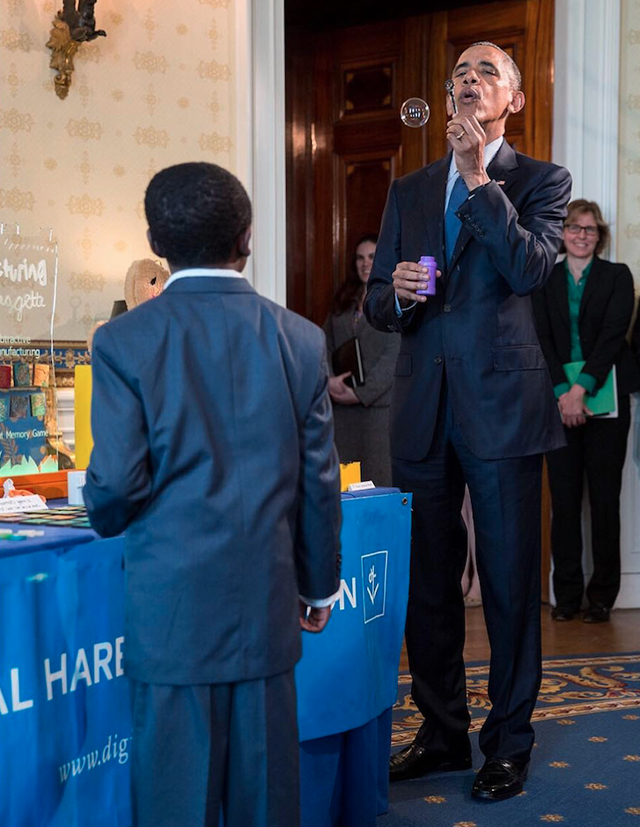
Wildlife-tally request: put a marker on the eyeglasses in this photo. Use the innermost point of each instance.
(576, 229)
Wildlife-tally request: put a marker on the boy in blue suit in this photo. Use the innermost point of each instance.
(214, 450)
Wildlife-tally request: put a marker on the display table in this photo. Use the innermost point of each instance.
(65, 724)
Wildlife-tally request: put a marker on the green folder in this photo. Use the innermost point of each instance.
(605, 401)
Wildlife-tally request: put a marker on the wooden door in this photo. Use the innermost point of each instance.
(345, 140)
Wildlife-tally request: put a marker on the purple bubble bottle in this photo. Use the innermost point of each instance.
(432, 265)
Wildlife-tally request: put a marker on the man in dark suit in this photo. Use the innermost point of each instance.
(472, 403)
(214, 450)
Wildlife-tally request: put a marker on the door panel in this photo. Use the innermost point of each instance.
(362, 181)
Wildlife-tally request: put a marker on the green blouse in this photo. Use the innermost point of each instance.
(575, 292)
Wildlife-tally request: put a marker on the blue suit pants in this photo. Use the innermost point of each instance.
(506, 500)
(215, 751)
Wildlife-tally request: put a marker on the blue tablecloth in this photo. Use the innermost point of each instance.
(64, 704)
(65, 723)
(56, 539)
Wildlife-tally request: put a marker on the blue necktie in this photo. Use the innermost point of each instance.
(459, 193)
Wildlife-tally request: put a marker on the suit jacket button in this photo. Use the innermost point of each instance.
(447, 308)
(438, 360)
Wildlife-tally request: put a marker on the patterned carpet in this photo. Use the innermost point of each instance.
(585, 768)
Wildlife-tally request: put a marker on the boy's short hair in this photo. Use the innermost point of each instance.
(196, 211)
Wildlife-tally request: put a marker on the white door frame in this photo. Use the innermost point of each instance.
(260, 137)
(586, 100)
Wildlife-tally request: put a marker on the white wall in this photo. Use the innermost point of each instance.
(172, 82)
(257, 125)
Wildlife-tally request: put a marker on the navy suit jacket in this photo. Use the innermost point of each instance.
(479, 326)
(214, 450)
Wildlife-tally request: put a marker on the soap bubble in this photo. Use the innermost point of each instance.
(414, 112)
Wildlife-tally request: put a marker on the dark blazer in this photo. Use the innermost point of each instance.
(214, 450)
(479, 326)
(379, 354)
(603, 322)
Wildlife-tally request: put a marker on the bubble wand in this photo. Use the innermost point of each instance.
(448, 85)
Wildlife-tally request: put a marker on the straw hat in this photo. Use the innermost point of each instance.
(144, 280)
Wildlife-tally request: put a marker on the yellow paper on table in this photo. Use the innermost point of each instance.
(349, 474)
(84, 440)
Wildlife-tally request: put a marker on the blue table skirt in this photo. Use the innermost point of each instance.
(61, 613)
(344, 778)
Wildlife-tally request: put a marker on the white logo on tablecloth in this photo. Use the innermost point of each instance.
(372, 590)
(374, 584)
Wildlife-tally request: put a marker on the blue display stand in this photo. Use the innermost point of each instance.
(65, 723)
(348, 677)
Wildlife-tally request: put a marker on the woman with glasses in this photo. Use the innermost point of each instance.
(583, 315)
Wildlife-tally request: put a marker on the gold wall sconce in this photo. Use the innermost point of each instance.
(71, 27)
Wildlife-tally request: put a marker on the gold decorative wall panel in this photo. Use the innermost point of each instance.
(157, 90)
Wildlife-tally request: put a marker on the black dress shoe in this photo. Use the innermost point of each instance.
(562, 613)
(414, 761)
(596, 614)
(499, 778)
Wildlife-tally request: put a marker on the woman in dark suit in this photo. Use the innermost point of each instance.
(361, 413)
(583, 315)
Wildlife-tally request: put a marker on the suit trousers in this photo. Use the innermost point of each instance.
(597, 448)
(506, 495)
(206, 750)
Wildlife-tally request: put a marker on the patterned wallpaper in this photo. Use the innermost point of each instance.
(157, 90)
(628, 226)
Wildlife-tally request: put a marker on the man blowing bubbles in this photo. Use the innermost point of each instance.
(473, 403)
